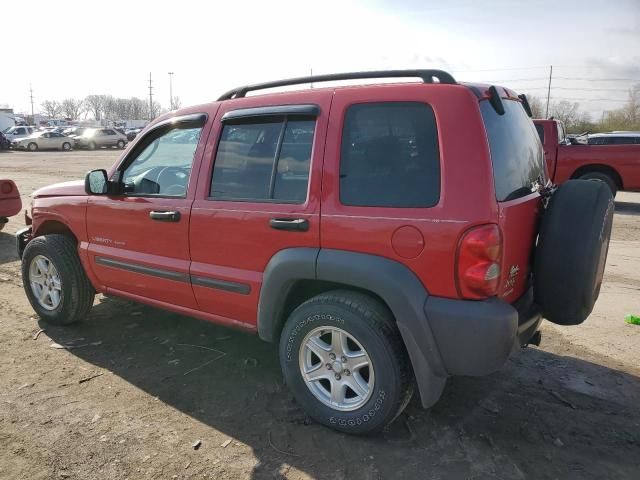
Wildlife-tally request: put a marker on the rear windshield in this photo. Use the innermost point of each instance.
(516, 151)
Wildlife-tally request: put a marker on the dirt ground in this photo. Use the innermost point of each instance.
(136, 387)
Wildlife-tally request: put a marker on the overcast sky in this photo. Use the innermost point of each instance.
(74, 48)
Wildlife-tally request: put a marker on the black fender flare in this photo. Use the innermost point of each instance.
(282, 272)
(393, 282)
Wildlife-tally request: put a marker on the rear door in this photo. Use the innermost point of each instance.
(260, 196)
(518, 167)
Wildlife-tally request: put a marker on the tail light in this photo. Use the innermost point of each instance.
(478, 262)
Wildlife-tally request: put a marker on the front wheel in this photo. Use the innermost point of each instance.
(344, 361)
(121, 144)
(66, 146)
(54, 280)
(32, 147)
(91, 146)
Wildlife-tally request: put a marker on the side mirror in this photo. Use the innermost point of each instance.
(96, 182)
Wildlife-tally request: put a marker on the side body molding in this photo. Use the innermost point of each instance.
(394, 283)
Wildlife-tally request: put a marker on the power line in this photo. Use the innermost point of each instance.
(600, 79)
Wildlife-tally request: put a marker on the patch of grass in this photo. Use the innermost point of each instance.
(632, 319)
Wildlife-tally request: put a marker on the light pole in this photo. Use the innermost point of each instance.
(171, 90)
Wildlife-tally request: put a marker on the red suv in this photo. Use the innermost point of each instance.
(384, 236)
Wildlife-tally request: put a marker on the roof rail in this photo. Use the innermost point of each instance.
(427, 76)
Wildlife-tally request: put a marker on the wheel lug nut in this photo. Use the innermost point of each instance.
(343, 359)
(338, 377)
(347, 372)
(328, 366)
(332, 356)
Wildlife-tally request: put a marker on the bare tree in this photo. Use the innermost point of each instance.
(565, 111)
(537, 108)
(177, 103)
(95, 105)
(72, 108)
(51, 108)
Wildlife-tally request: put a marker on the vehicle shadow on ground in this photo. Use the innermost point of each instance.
(628, 208)
(8, 252)
(543, 415)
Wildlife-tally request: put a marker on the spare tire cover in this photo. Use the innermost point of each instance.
(572, 250)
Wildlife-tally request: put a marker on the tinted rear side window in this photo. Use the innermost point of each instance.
(516, 151)
(265, 160)
(624, 140)
(389, 156)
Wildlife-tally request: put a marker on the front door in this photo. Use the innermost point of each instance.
(260, 197)
(138, 239)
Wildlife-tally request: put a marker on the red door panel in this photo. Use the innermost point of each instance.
(131, 252)
(232, 241)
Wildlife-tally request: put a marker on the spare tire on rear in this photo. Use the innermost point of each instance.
(572, 250)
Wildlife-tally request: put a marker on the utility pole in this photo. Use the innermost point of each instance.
(33, 120)
(150, 98)
(311, 77)
(546, 115)
(170, 90)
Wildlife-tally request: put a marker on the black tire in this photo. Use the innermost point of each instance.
(91, 146)
(604, 178)
(3, 222)
(32, 147)
(66, 146)
(77, 292)
(121, 144)
(572, 250)
(373, 326)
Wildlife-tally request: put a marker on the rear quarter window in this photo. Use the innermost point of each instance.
(516, 151)
(389, 156)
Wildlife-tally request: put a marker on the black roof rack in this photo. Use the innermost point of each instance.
(427, 76)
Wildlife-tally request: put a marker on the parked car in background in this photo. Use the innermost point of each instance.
(4, 142)
(14, 133)
(10, 203)
(43, 141)
(616, 164)
(73, 132)
(342, 224)
(132, 133)
(93, 138)
(615, 138)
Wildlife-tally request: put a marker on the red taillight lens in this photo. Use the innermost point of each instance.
(6, 188)
(478, 262)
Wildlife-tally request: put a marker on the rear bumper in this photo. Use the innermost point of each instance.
(476, 337)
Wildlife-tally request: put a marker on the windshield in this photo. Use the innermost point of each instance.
(516, 151)
(9, 130)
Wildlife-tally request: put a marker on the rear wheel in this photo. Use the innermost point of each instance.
(91, 146)
(54, 280)
(604, 178)
(121, 144)
(32, 147)
(572, 250)
(345, 363)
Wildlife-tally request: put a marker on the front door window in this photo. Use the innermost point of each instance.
(163, 167)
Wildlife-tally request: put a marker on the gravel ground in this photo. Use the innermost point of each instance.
(129, 396)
